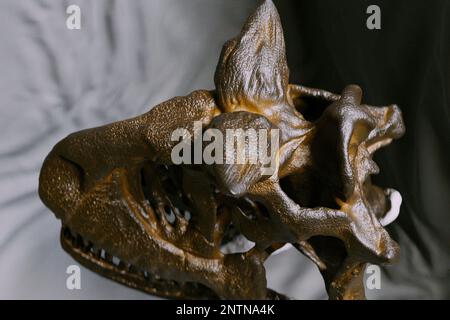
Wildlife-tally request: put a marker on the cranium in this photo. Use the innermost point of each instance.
(130, 214)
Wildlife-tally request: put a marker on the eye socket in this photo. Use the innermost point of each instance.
(311, 107)
(310, 189)
(247, 209)
(253, 209)
(262, 210)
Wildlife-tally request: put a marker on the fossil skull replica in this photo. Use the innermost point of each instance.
(131, 214)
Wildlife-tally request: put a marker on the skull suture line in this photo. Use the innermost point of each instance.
(119, 195)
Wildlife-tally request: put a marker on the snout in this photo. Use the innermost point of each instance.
(389, 122)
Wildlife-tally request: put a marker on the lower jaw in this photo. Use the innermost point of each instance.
(100, 262)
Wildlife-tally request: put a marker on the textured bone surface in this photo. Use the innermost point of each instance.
(204, 231)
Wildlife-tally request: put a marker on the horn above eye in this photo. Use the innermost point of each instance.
(252, 68)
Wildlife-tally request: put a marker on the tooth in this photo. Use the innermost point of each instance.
(88, 246)
(74, 241)
(84, 244)
(79, 242)
(98, 252)
(108, 257)
(132, 268)
(170, 215)
(115, 261)
(396, 200)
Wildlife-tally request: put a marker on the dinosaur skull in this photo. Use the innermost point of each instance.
(204, 230)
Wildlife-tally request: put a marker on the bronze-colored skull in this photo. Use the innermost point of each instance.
(131, 214)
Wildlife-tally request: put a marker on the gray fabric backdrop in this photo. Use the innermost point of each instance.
(127, 57)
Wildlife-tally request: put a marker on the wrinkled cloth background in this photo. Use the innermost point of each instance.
(131, 55)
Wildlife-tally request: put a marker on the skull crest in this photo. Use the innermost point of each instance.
(204, 231)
